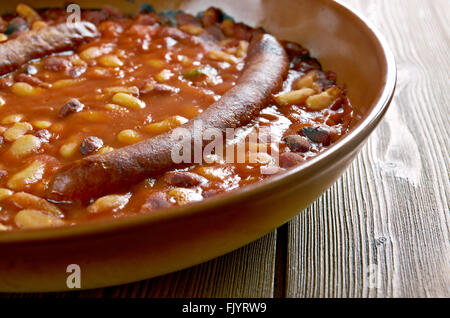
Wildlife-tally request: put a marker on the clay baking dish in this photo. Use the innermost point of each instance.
(136, 248)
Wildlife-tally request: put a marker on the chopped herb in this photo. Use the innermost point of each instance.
(193, 73)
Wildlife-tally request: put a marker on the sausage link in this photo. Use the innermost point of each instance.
(39, 43)
(94, 176)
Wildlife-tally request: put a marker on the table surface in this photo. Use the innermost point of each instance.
(382, 230)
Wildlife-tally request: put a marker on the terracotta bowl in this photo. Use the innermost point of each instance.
(136, 248)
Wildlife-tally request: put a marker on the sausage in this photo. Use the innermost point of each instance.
(39, 43)
(83, 180)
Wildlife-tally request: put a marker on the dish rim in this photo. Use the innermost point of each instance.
(345, 145)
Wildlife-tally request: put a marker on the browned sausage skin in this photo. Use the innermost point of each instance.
(94, 176)
(39, 43)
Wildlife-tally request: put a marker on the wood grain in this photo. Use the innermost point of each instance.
(383, 229)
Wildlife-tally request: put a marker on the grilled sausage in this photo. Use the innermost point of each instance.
(94, 176)
(39, 43)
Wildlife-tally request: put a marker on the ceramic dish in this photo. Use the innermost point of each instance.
(113, 252)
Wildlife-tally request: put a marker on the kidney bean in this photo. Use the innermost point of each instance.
(155, 201)
(290, 159)
(44, 135)
(22, 77)
(90, 145)
(57, 64)
(184, 179)
(297, 143)
(72, 106)
(317, 135)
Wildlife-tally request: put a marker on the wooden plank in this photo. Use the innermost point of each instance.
(383, 229)
(246, 272)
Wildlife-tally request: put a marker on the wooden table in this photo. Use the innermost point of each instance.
(383, 229)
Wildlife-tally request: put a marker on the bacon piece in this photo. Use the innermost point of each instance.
(97, 175)
(39, 43)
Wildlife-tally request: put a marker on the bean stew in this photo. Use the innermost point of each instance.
(144, 75)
